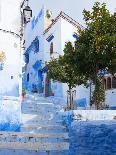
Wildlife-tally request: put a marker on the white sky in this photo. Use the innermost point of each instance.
(10, 13)
(73, 8)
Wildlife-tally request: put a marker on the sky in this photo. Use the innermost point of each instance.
(10, 12)
(74, 8)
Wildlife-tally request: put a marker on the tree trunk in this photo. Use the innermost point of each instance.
(70, 101)
(98, 94)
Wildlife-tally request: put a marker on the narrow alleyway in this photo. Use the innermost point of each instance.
(42, 130)
(43, 118)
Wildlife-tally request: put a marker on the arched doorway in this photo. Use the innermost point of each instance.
(48, 90)
(40, 79)
(109, 83)
(113, 82)
(104, 84)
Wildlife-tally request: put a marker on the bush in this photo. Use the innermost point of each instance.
(23, 92)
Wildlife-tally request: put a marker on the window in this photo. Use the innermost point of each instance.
(11, 77)
(51, 48)
(49, 39)
(109, 83)
(35, 45)
(104, 82)
(75, 35)
(1, 66)
(28, 77)
(113, 82)
(26, 58)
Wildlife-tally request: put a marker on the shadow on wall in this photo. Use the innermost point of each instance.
(14, 91)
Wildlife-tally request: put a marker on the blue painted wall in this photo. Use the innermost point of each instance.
(93, 138)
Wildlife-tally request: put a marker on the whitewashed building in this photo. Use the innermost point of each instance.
(11, 68)
(45, 38)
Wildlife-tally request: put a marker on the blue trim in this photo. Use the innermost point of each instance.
(33, 47)
(37, 65)
(75, 36)
(112, 108)
(45, 70)
(81, 102)
(36, 20)
(50, 38)
(26, 58)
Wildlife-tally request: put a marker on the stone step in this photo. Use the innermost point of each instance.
(42, 117)
(35, 146)
(40, 108)
(43, 128)
(31, 139)
(33, 152)
(41, 122)
(33, 135)
(36, 102)
(36, 111)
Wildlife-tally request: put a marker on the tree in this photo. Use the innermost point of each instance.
(96, 48)
(61, 69)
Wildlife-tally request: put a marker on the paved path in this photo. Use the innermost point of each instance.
(42, 130)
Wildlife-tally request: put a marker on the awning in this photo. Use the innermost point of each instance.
(38, 65)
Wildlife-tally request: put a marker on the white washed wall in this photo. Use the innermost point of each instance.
(10, 89)
(94, 114)
(12, 66)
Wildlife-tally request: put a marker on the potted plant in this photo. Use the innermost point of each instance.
(23, 93)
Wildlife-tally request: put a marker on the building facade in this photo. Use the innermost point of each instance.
(10, 68)
(45, 38)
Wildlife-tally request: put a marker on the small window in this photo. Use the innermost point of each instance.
(75, 36)
(51, 48)
(11, 77)
(104, 82)
(28, 77)
(36, 45)
(113, 82)
(49, 39)
(26, 58)
(109, 83)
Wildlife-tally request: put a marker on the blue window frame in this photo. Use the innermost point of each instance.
(28, 77)
(75, 36)
(27, 58)
(38, 65)
(49, 39)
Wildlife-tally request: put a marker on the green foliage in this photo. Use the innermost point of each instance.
(23, 92)
(61, 69)
(96, 46)
(99, 94)
(94, 51)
